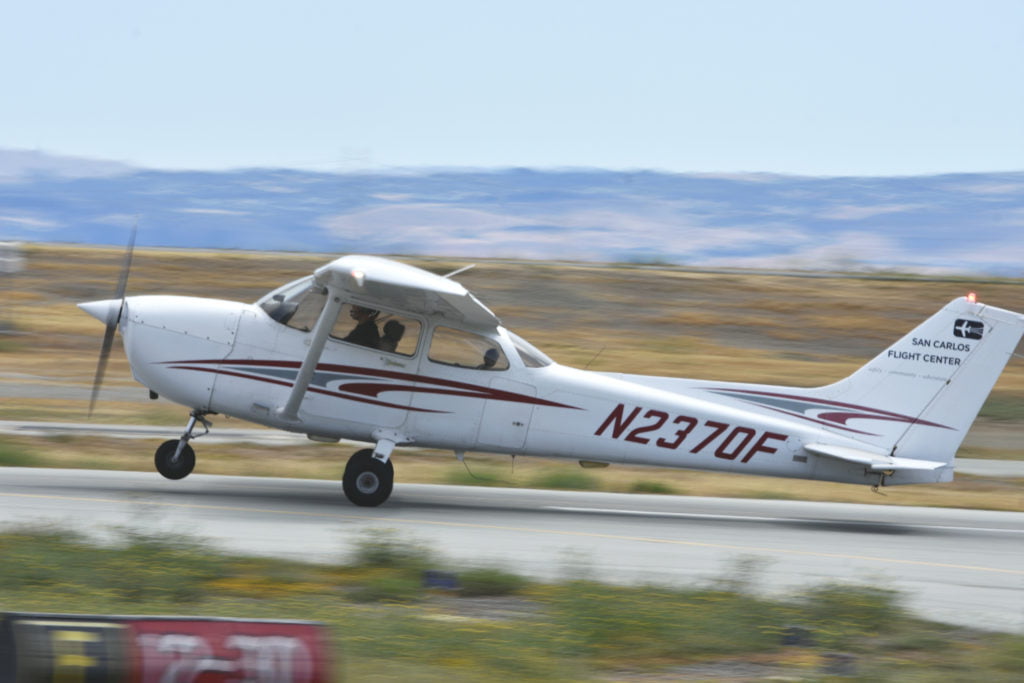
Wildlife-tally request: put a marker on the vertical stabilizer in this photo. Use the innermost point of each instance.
(918, 398)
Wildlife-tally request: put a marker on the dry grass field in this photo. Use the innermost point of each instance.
(781, 329)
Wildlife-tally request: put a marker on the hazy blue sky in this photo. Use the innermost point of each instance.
(812, 87)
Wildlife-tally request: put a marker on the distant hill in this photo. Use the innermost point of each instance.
(949, 223)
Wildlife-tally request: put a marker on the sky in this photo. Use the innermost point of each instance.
(809, 87)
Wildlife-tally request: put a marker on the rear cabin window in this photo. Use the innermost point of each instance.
(466, 350)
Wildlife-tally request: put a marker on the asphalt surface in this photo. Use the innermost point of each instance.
(958, 566)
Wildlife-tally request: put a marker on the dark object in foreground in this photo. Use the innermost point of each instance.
(95, 648)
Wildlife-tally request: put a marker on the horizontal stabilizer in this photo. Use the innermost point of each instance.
(874, 461)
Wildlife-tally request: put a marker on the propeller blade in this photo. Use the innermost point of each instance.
(122, 282)
(113, 321)
(101, 366)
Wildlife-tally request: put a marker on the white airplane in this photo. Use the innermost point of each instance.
(374, 350)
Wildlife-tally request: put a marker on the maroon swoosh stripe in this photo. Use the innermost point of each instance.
(451, 387)
(834, 418)
(327, 392)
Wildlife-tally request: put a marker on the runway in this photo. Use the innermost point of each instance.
(957, 566)
(1011, 469)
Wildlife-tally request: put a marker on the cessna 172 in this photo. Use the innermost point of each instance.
(375, 350)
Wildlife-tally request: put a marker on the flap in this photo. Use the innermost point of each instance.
(390, 284)
(872, 460)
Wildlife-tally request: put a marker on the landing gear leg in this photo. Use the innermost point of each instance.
(175, 459)
(881, 482)
(368, 481)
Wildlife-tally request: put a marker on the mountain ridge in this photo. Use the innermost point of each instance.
(952, 223)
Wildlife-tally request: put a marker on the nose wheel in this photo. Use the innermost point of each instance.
(367, 481)
(175, 459)
(172, 462)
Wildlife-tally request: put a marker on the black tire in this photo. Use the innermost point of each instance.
(367, 482)
(168, 466)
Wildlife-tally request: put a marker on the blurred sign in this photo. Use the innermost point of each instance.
(11, 259)
(43, 649)
(38, 648)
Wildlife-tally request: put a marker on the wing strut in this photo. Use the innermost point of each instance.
(290, 410)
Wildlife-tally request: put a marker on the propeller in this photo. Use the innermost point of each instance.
(105, 311)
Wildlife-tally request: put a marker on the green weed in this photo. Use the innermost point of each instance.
(647, 486)
(1003, 407)
(12, 455)
(388, 586)
(840, 614)
(566, 479)
(387, 549)
(489, 581)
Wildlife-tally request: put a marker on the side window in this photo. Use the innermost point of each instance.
(299, 304)
(466, 350)
(376, 329)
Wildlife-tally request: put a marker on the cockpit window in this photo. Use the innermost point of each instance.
(299, 304)
(466, 350)
(531, 356)
(377, 329)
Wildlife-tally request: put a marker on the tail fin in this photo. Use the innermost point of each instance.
(918, 398)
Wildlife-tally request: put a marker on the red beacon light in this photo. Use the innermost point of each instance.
(972, 297)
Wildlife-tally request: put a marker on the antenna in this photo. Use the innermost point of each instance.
(463, 269)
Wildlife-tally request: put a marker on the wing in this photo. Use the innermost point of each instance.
(386, 283)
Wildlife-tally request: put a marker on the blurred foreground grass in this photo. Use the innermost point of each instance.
(387, 626)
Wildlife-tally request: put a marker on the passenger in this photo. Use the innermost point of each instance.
(365, 333)
(490, 359)
(393, 331)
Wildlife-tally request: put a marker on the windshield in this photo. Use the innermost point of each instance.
(296, 304)
(531, 356)
(285, 291)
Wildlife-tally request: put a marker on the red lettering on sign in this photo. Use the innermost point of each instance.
(224, 651)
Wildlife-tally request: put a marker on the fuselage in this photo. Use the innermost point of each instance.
(237, 359)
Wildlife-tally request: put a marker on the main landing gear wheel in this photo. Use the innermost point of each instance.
(367, 482)
(174, 467)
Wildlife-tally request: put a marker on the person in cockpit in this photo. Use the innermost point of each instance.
(490, 359)
(365, 333)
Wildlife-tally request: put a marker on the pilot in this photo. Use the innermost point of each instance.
(365, 333)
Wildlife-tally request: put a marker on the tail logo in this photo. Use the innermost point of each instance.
(968, 329)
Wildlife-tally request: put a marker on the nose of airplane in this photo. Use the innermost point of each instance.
(105, 311)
